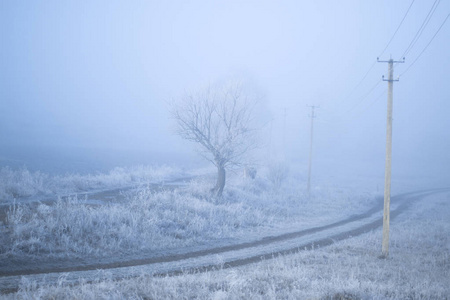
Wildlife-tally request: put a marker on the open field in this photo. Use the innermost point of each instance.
(145, 221)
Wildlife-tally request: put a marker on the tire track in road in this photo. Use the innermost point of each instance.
(234, 255)
(404, 201)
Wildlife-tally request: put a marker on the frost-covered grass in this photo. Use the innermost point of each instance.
(148, 222)
(19, 183)
(153, 222)
(418, 268)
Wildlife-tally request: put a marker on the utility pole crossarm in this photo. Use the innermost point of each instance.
(391, 61)
(394, 61)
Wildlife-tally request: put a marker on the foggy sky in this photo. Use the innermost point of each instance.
(99, 74)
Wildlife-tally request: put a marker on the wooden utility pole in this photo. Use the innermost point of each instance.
(284, 132)
(310, 148)
(387, 171)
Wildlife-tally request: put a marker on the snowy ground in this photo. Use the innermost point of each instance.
(159, 221)
(418, 268)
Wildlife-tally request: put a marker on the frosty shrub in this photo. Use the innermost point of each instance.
(20, 183)
(277, 173)
(148, 221)
(117, 177)
(23, 183)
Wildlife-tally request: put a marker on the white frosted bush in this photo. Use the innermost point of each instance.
(277, 173)
(23, 183)
(148, 221)
(20, 183)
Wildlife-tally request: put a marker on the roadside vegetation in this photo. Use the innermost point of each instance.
(155, 221)
(22, 183)
(418, 268)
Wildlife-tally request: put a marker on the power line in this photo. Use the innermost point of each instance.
(351, 112)
(364, 77)
(374, 63)
(440, 27)
(364, 97)
(397, 29)
(422, 27)
(376, 99)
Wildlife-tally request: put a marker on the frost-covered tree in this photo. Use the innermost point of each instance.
(221, 121)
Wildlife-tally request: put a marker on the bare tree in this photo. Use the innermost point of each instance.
(221, 122)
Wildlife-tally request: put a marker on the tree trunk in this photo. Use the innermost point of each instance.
(218, 189)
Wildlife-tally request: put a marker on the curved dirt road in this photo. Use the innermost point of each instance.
(220, 257)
